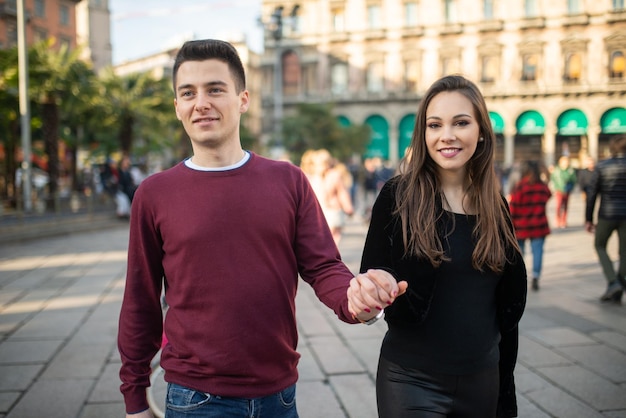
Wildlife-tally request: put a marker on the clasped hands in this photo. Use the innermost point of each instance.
(371, 292)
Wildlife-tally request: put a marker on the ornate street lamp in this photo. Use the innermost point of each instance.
(275, 27)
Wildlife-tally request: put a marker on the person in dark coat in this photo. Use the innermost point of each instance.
(609, 183)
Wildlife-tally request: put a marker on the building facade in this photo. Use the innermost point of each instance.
(93, 32)
(44, 19)
(552, 72)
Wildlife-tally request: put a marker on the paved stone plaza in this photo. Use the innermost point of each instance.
(60, 298)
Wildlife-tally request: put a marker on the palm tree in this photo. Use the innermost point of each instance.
(139, 106)
(51, 73)
(9, 119)
(314, 126)
(79, 113)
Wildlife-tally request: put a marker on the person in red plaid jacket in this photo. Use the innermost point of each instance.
(528, 201)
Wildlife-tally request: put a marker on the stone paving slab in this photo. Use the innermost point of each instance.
(595, 390)
(357, 394)
(53, 398)
(60, 299)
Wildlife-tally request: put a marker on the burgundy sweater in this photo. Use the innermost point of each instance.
(230, 246)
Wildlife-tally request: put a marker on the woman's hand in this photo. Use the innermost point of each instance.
(372, 291)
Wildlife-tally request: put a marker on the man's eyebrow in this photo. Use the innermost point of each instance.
(209, 84)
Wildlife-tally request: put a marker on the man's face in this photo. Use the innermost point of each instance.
(208, 104)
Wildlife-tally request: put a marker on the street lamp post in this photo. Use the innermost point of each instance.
(24, 105)
(275, 27)
(277, 33)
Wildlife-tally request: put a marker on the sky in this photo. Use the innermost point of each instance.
(143, 27)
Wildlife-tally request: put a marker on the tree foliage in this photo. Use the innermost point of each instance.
(314, 126)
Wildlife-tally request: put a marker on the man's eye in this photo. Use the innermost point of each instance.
(186, 94)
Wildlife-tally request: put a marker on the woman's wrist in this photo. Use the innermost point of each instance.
(371, 320)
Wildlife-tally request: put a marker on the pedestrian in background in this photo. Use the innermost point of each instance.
(528, 201)
(585, 175)
(563, 179)
(609, 183)
(444, 227)
(229, 232)
(330, 184)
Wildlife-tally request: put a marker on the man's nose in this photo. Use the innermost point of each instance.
(202, 103)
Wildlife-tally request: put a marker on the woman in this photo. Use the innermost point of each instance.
(528, 211)
(330, 188)
(443, 226)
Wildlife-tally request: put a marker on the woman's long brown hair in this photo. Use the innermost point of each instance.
(418, 194)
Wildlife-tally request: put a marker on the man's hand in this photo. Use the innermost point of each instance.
(590, 227)
(370, 292)
(143, 414)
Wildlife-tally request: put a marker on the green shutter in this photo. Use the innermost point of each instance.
(497, 123)
(572, 122)
(530, 123)
(379, 141)
(406, 132)
(614, 121)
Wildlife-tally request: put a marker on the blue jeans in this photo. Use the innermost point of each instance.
(183, 402)
(536, 247)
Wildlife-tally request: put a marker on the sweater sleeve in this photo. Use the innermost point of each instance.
(319, 261)
(140, 323)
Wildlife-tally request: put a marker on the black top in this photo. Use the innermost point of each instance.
(461, 312)
(460, 333)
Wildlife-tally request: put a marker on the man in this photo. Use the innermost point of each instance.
(609, 182)
(228, 232)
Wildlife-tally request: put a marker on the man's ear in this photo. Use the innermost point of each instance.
(176, 109)
(245, 102)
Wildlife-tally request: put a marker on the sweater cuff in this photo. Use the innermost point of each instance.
(136, 400)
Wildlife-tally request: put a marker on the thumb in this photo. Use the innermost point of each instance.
(402, 286)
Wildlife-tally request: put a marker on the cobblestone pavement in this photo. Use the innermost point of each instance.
(60, 298)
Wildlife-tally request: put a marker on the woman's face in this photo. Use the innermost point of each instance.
(451, 132)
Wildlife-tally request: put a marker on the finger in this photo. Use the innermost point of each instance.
(358, 297)
(388, 288)
(368, 293)
(402, 287)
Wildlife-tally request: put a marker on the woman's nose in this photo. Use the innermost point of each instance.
(447, 134)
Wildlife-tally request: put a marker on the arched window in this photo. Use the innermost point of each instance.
(617, 65)
(375, 77)
(489, 69)
(291, 73)
(450, 11)
(339, 78)
(573, 67)
(488, 9)
(411, 75)
(530, 64)
(530, 8)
